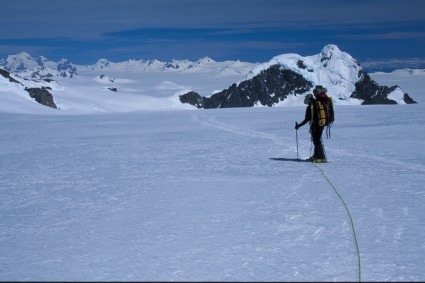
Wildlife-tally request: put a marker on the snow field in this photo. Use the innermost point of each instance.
(197, 196)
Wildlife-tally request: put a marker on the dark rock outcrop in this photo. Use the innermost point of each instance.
(369, 91)
(6, 75)
(42, 96)
(268, 88)
(408, 99)
(193, 98)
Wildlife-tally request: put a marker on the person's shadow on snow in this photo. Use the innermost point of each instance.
(288, 159)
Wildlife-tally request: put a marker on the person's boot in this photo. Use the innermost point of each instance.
(318, 160)
(319, 154)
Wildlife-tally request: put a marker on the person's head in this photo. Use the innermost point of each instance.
(308, 98)
(319, 89)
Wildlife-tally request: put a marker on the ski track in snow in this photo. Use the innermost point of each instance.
(262, 135)
(414, 166)
(397, 231)
(283, 141)
(195, 196)
(213, 226)
(211, 122)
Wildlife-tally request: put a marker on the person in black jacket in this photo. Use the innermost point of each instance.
(315, 129)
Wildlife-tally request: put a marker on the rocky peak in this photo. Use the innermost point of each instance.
(286, 75)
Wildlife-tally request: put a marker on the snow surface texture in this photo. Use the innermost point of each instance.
(208, 195)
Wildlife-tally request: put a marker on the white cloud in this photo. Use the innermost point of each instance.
(394, 63)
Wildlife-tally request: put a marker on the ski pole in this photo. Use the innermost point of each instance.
(296, 136)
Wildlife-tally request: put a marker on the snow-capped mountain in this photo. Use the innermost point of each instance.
(21, 62)
(135, 85)
(142, 65)
(185, 66)
(29, 67)
(287, 76)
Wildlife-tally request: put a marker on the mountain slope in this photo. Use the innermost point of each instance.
(290, 75)
(38, 92)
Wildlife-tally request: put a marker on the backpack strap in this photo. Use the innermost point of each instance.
(328, 131)
(312, 113)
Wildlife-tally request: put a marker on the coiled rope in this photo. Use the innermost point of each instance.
(349, 215)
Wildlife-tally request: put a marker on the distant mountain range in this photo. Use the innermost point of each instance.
(283, 80)
(39, 68)
(288, 75)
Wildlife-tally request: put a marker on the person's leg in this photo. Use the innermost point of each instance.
(319, 152)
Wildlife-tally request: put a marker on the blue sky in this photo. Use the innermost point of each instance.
(381, 34)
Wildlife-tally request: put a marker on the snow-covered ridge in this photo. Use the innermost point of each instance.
(333, 68)
(136, 85)
(287, 78)
(41, 67)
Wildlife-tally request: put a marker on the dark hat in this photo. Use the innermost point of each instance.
(319, 89)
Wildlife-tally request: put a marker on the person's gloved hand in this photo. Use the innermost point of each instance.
(296, 126)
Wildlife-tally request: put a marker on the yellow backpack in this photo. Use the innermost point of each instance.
(324, 111)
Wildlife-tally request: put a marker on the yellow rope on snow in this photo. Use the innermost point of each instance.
(349, 215)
